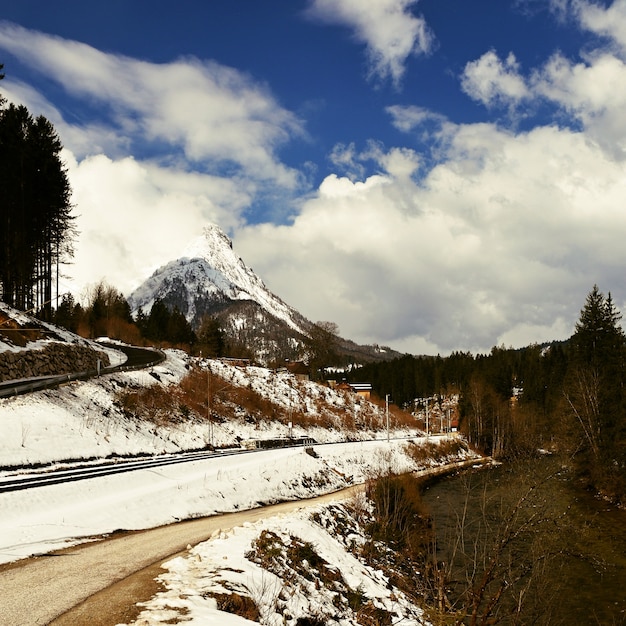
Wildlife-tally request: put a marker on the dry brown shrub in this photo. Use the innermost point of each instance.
(237, 605)
(156, 404)
(200, 395)
(401, 518)
(435, 452)
(397, 417)
(371, 615)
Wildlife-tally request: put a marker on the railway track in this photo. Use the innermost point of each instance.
(18, 482)
(31, 479)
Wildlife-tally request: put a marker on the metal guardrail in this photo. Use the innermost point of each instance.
(23, 386)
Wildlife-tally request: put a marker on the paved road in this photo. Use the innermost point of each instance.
(136, 358)
(77, 586)
(98, 584)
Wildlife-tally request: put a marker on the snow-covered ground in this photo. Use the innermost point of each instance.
(224, 566)
(81, 421)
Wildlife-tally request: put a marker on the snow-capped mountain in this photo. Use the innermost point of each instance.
(210, 279)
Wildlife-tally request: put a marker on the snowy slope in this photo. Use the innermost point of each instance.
(82, 420)
(209, 273)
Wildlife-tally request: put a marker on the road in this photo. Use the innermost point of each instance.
(98, 584)
(136, 358)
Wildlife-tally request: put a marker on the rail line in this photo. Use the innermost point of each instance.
(84, 471)
(58, 476)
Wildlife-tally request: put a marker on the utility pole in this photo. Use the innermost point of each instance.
(208, 404)
(387, 414)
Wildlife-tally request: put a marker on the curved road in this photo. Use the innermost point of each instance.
(100, 583)
(136, 358)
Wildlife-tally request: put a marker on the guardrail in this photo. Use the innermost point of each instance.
(24, 386)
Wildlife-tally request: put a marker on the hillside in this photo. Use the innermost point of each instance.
(165, 411)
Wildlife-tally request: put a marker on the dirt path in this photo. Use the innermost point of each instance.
(98, 584)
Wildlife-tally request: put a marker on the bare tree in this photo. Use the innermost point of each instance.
(496, 561)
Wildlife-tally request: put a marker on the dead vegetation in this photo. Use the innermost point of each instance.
(297, 562)
(203, 395)
(386, 527)
(436, 452)
(237, 604)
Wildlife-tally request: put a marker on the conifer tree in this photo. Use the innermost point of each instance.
(595, 392)
(211, 337)
(35, 217)
(66, 314)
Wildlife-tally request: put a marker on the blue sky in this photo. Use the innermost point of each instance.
(429, 174)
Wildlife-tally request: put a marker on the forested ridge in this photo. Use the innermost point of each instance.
(565, 396)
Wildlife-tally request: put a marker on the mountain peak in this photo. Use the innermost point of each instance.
(211, 243)
(216, 249)
(206, 277)
(210, 279)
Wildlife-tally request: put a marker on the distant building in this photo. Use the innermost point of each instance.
(361, 389)
(298, 369)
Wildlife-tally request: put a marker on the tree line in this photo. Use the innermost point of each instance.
(568, 396)
(36, 222)
(106, 313)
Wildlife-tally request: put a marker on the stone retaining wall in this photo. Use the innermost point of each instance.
(56, 358)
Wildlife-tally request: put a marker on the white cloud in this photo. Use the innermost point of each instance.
(490, 80)
(609, 22)
(389, 30)
(210, 112)
(345, 158)
(407, 118)
(134, 217)
(499, 242)
(504, 237)
(590, 93)
(593, 92)
(214, 131)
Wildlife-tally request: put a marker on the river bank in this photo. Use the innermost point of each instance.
(525, 544)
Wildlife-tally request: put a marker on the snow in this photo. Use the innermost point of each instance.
(209, 266)
(220, 565)
(81, 421)
(53, 333)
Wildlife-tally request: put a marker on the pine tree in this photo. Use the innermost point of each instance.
(35, 220)
(66, 314)
(179, 330)
(595, 391)
(211, 337)
(157, 322)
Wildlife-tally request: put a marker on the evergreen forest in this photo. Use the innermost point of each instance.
(561, 396)
(36, 222)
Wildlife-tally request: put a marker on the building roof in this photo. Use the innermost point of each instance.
(361, 386)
